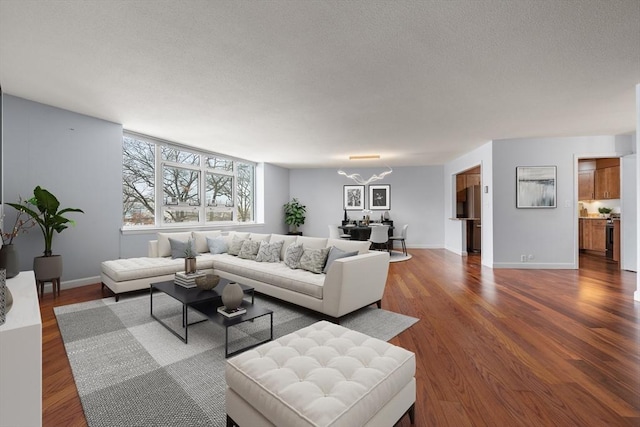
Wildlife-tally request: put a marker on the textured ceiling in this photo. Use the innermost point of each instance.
(308, 83)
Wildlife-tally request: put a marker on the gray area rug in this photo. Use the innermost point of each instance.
(131, 371)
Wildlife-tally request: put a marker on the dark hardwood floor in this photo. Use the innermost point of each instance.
(493, 347)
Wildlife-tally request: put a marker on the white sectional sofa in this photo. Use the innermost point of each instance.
(350, 283)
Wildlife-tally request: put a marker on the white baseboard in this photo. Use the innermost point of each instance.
(535, 265)
(457, 251)
(423, 246)
(73, 283)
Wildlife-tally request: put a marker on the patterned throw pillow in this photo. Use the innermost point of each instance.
(249, 249)
(269, 252)
(313, 260)
(217, 245)
(235, 246)
(292, 255)
(335, 254)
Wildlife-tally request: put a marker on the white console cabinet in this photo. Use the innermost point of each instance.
(21, 356)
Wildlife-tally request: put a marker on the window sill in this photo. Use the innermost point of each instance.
(178, 228)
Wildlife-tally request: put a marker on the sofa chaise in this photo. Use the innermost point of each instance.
(347, 283)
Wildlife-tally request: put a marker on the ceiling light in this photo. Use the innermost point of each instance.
(359, 180)
(366, 157)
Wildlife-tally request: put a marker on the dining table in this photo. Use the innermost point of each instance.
(361, 231)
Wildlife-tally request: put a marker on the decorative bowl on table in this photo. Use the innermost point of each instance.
(207, 282)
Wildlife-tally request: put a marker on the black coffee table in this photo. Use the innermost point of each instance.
(207, 303)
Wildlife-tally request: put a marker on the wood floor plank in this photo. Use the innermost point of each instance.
(493, 347)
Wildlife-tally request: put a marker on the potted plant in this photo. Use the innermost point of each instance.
(50, 219)
(189, 258)
(294, 215)
(8, 255)
(605, 212)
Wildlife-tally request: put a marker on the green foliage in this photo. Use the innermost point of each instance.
(604, 210)
(294, 213)
(188, 252)
(47, 215)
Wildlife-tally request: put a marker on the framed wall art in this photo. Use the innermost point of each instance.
(380, 197)
(353, 197)
(535, 187)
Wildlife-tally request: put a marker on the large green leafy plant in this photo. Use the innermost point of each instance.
(294, 213)
(46, 214)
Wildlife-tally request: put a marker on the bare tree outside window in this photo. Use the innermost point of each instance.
(195, 187)
(138, 182)
(245, 191)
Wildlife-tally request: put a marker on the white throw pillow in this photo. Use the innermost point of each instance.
(234, 246)
(258, 237)
(239, 235)
(312, 242)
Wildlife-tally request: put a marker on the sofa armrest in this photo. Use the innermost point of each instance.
(355, 282)
(153, 248)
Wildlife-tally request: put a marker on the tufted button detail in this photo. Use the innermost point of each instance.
(324, 372)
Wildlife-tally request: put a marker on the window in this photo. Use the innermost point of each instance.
(194, 187)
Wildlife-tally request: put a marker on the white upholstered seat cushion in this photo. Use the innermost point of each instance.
(121, 270)
(321, 375)
(273, 273)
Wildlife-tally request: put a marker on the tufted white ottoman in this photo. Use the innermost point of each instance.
(321, 375)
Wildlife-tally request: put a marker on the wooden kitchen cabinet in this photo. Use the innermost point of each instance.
(593, 235)
(586, 185)
(581, 234)
(607, 179)
(473, 179)
(461, 186)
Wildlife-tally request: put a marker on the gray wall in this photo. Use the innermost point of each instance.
(76, 157)
(416, 199)
(550, 235)
(79, 159)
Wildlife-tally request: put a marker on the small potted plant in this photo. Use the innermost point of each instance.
(605, 212)
(294, 215)
(50, 219)
(8, 255)
(189, 258)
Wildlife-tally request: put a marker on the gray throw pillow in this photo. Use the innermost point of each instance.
(292, 255)
(249, 249)
(178, 248)
(217, 245)
(235, 246)
(335, 254)
(313, 260)
(269, 252)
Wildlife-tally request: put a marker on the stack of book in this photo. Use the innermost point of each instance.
(187, 280)
(231, 312)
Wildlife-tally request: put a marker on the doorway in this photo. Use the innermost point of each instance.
(469, 206)
(599, 211)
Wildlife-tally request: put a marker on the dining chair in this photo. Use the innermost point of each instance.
(401, 238)
(380, 236)
(336, 233)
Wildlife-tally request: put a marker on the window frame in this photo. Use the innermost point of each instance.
(202, 168)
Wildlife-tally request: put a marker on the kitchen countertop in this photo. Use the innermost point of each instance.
(597, 217)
